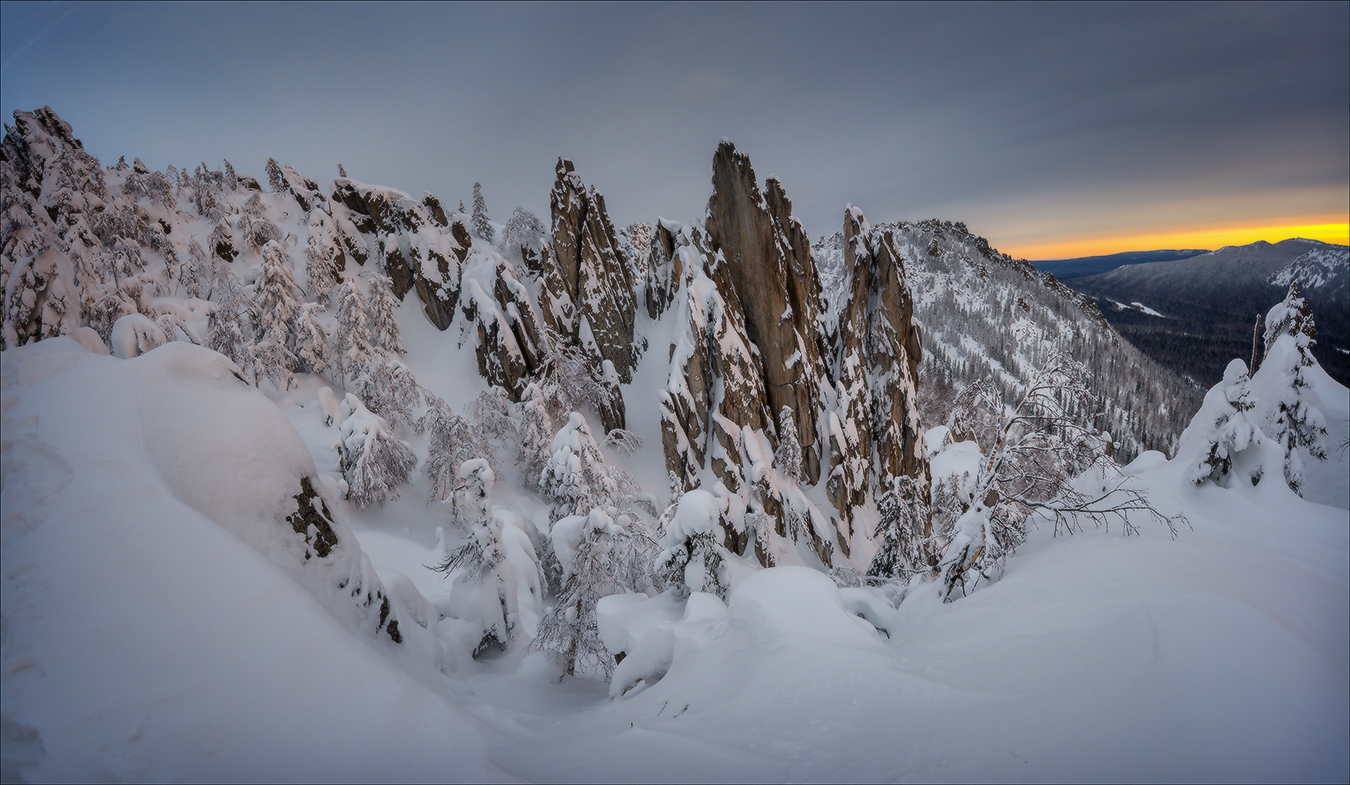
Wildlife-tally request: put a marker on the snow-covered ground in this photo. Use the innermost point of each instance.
(157, 627)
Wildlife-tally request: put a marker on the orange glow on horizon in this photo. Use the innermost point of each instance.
(1325, 229)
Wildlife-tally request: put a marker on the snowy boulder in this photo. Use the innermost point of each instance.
(664, 639)
(134, 335)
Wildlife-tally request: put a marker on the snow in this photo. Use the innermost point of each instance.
(145, 640)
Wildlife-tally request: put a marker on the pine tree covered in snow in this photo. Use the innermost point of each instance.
(374, 462)
(1222, 429)
(691, 551)
(534, 434)
(311, 340)
(352, 353)
(276, 305)
(599, 556)
(453, 440)
(523, 231)
(1283, 383)
(481, 225)
(230, 323)
(902, 516)
(574, 476)
(321, 253)
(481, 559)
(381, 318)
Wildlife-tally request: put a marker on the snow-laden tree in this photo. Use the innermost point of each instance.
(480, 562)
(493, 415)
(1037, 463)
(374, 462)
(381, 316)
(391, 391)
(277, 303)
(321, 254)
(534, 434)
(311, 340)
(600, 554)
(787, 459)
(524, 231)
(1283, 383)
(481, 225)
(352, 353)
(691, 557)
(902, 516)
(1222, 430)
(229, 324)
(453, 440)
(575, 476)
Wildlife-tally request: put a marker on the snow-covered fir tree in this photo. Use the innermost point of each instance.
(1222, 430)
(534, 435)
(277, 303)
(374, 461)
(352, 353)
(598, 558)
(311, 340)
(453, 440)
(481, 560)
(1283, 382)
(902, 514)
(381, 316)
(481, 225)
(575, 476)
(692, 554)
(230, 322)
(321, 253)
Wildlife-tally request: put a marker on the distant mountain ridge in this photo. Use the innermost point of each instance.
(1209, 302)
(1064, 269)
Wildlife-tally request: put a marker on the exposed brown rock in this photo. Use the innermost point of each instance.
(592, 270)
(775, 282)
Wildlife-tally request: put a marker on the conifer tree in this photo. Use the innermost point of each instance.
(276, 305)
(374, 462)
(481, 226)
(381, 317)
(574, 476)
(352, 354)
(1283, 381)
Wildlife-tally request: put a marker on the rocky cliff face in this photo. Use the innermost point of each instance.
(771, 270)
(752, 352)
(593, 272)
(875, 354)
(795, 414)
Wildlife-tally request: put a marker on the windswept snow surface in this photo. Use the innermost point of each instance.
(147, 637)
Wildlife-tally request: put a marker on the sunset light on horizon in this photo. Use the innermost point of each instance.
(1328, 229)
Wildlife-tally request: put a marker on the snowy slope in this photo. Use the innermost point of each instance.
(188, 595)
(985, 315)
(144, 641)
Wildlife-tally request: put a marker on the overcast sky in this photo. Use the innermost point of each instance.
(1033, 124)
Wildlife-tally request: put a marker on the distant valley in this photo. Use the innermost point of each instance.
(1193, 311)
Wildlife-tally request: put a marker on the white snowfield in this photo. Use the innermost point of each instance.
(161, 623)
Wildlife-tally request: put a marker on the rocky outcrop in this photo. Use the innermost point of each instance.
(410, 238)
(592, 271)
(715, 389)
(769, 262)
(875, 435)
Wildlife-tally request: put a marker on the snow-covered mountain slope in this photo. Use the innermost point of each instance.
(985, 315)
(144, 640)
(1208, 303)
(329, 482)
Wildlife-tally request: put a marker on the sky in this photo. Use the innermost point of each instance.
(1054, 130)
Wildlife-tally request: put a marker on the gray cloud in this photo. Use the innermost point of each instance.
(1058, 118)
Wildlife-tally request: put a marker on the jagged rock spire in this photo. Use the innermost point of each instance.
(770, 265)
